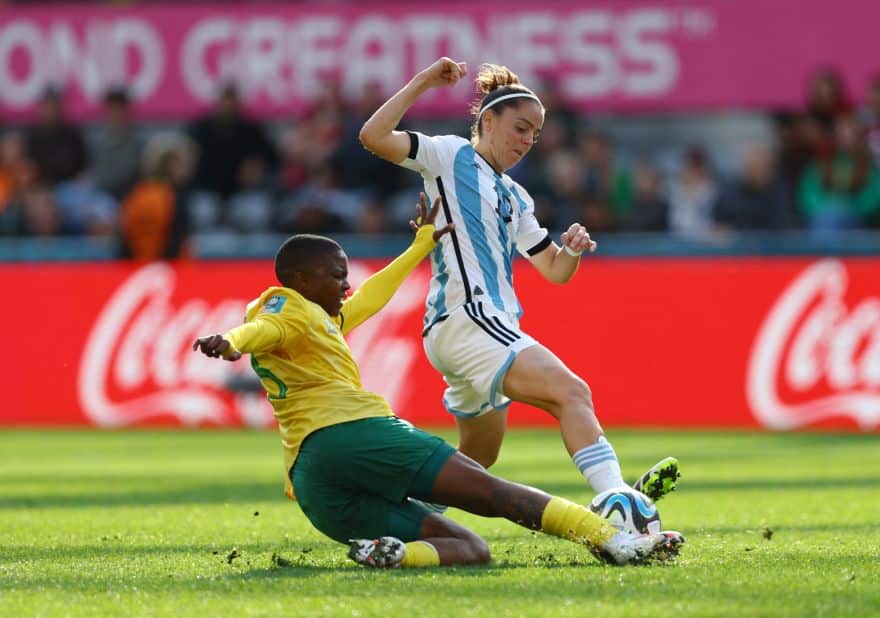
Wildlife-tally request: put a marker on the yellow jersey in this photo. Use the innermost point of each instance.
(298, 351)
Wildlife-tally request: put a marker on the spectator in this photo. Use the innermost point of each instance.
(827, 98)
(311, 143)
(153, 220)
(759, 198)
(567, 194)
(870, 118)
(84, 208)
(650, 210)
(841, 190)
(298, 158)
(358, 169)
(235, 153)
(607, 184)
(116, 149)
(321, 207)
(12, 154)
(374, 219)
(798, 137)
(19, 176)
(692, 196)
(567, 117)
(38, 213)
(55, 146)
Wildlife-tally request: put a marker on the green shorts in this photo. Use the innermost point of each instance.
(352, 479)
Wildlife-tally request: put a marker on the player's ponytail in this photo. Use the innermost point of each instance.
(494, 76)
(500, 88)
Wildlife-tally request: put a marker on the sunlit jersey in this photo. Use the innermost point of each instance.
(494, 219)
(303, 361)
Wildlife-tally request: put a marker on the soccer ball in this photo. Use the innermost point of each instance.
(628, 510)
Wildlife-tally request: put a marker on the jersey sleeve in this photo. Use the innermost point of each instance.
(531, 237)
(431, 155)
(377, 290)
(278, 322)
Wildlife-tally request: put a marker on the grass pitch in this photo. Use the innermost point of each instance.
(194, 523)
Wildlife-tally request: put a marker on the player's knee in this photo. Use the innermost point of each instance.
(575, 393)
(485, 455)
(487, 459)
(478, 551)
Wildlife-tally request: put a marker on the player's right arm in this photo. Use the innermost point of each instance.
(379, 134)
(260, 335)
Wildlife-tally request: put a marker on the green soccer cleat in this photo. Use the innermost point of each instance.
(660, 479)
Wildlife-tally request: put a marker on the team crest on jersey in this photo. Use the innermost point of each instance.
(274, 304)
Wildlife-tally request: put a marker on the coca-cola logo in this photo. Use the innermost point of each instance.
(137, 363)
(815, 358)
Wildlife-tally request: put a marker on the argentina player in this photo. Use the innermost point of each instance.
(471, 328)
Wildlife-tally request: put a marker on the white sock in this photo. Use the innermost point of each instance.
(598, 463)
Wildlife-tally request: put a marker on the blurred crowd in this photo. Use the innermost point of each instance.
(227, 174)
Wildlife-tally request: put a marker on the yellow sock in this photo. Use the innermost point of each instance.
(564, 518)
(420, 554)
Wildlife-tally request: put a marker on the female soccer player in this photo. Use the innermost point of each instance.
(353, 464)
(471, 327)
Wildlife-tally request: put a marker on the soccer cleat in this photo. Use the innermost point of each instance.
(668, 550)
(660, 479)
(624, 548)
(385, 552)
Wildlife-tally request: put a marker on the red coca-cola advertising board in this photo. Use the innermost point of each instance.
(773, 343)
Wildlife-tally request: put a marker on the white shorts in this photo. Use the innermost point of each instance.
(473, 348)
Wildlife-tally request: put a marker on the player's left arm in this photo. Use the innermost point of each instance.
(378, 289)
(559, 264)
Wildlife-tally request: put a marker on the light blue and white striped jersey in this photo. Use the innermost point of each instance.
(494, 217)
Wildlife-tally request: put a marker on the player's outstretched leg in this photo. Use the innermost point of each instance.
(465, 484)
(660, 479)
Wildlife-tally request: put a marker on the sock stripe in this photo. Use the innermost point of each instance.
(591, 461)
(589, 456)
(591, 451)
(595, 453)
(583, 465)
(598, 463)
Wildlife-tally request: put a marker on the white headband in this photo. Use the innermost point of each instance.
(512, 95)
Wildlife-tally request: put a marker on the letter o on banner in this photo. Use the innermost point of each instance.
(20, 35)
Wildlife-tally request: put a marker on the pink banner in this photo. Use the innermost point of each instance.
(622, 55)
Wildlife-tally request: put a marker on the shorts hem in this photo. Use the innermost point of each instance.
(422, 483)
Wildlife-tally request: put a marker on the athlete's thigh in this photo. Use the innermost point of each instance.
(537, 376)
(344, 513)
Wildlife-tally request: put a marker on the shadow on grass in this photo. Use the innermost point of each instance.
(110, 549)
(134, 495)
(248, 491)
(787, 530)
